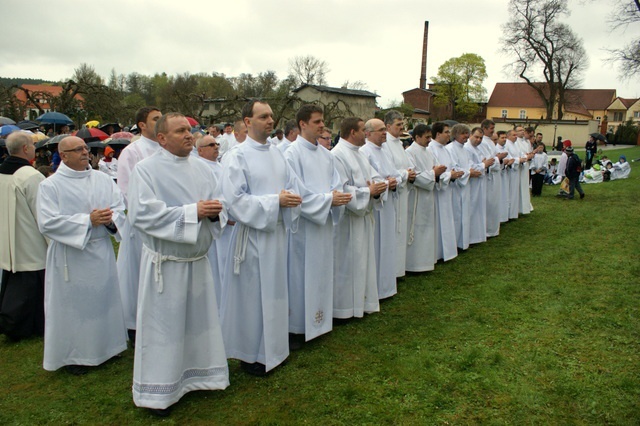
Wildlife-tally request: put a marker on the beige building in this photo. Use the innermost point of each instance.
(338, 103)
(621, 110)
(520, 101)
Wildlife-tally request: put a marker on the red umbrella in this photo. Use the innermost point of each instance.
(91, 134)
(122, 135)
(192, 122)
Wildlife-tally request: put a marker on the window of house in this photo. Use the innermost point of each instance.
(504, 113)
(523, 113)
(618, 116)
(636, 114)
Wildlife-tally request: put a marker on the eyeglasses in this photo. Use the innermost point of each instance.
(210, 145)
(326, 138)
(384, 129)
(78, 149)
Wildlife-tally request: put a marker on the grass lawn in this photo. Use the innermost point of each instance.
(537, 326)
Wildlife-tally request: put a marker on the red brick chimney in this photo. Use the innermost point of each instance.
(423, 73)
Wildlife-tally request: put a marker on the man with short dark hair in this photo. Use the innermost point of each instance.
(23, 249)
(277, 138)
(130, 249)
(355, 289)
(524, 145)
(477, 189)
(445, 225)
(489, 152)
(291, 132)
(421, 237)
(79, 209)
(310, 252)
(515, 186)
(177, 208)
(262, 192)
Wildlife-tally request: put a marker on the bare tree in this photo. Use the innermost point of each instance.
(544, 47)
(355, 85)
(308, 70)
(625, 13)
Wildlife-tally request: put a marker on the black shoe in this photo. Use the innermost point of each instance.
(295, 341)
(582, 196)
(160, 412)
(255, 369)
(76, 370)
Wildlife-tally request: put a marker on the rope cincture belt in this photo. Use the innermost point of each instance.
(158, 258)
(240, 251)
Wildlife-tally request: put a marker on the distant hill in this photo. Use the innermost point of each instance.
(7, 82)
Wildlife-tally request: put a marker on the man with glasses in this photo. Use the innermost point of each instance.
(385, 217)
(78, 210)
(325, 139)
(395, 150)
(208, 151)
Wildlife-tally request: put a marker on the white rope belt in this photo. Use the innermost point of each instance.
(158, 258)
(413, 220)
(240, 251)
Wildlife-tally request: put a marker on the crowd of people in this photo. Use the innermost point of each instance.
(241, 243)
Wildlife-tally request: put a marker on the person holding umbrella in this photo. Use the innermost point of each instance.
(592, 148)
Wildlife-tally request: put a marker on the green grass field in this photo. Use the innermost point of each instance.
(537, 326)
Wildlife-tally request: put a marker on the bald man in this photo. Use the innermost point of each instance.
(79, 209)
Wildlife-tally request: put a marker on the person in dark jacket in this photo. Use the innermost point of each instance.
(573, 173)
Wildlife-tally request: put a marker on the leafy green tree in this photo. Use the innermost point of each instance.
(458, 85)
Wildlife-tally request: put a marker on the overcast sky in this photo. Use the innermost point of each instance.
(374, 41)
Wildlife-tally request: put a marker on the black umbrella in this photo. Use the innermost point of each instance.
(56, 139)
(598, 137)
(118, 142)
(42, 143)
(6, 120)
(28, 125)
(116, 127)
(96, 144)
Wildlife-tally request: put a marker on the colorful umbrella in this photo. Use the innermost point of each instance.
(193, 122)
(39, 136)
(90, 135)
(93, 123)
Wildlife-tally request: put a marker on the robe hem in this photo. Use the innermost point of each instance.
(156, 401)
(51, 366)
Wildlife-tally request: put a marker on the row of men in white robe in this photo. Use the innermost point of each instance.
(358, 204)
